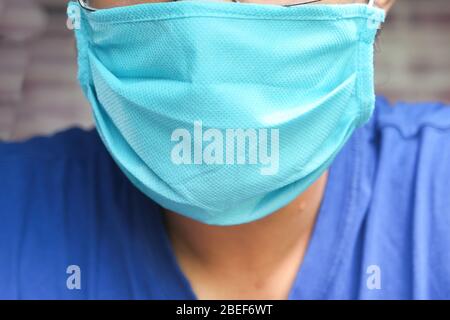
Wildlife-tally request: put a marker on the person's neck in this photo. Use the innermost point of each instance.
(255, 250)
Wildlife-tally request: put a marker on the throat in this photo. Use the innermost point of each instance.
(242, 278)
(257, 260)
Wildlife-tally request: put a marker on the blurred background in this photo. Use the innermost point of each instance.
(39, 93)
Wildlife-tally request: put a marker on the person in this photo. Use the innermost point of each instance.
(358, 206)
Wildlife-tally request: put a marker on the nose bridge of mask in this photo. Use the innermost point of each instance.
(206, 34)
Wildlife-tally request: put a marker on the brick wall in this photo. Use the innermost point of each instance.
(413, 56)
(39, 93)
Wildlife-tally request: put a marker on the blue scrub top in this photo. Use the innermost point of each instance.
(383, 230)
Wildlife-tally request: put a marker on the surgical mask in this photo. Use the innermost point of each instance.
(226, 112)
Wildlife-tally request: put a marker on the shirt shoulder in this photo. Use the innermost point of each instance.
(73, 142)
(411, 119)
(412, 143)
(406, 228)
(64, 202)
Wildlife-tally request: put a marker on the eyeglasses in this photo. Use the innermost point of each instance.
(86, 5)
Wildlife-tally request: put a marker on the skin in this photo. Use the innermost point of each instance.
(257, 260)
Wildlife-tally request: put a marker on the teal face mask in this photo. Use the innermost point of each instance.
(226, 112)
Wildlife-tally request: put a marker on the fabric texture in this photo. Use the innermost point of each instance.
(64, 201)
(150, 70)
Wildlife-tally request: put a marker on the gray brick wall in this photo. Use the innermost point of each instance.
(413, 56)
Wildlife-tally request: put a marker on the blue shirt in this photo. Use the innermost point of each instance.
(383, 229)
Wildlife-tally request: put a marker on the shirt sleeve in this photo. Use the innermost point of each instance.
(411, 205)
(44, 189)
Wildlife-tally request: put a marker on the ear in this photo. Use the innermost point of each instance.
(384, 4)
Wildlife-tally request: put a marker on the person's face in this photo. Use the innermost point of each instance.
(384, 4)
